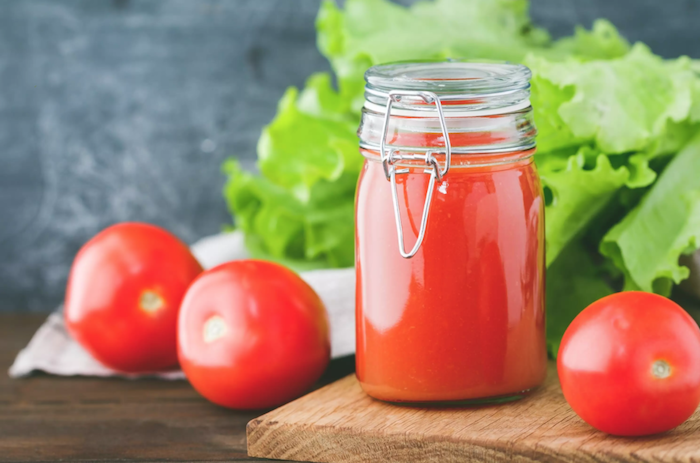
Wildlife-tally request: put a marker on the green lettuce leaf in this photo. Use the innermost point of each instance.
(619, 105)
(552, 131)
(280, 227)
(320, 99)
(573, 282)
(648, 242)
(695, 109)
(368, 32)
(578, 194)
(675, 137)
(603, 41)
(308, 141)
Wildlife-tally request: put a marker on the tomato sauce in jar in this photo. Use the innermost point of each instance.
(449, 235)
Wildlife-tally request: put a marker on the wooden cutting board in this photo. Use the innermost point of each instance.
(339, 423)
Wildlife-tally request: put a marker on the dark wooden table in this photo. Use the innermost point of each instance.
(48, 418)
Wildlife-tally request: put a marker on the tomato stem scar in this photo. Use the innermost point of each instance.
(150, 301)
(214, 328)
(661, 369)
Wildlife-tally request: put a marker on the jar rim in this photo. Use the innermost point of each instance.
(461, 85)
(449, 78)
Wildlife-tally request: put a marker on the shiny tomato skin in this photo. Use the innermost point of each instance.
(252, 335)
(629, 364)
(124, 293)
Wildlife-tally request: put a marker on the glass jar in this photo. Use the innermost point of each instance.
(449, 235)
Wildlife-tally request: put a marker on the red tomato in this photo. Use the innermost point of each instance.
(629, 364)
(124, 293)
(252, 334)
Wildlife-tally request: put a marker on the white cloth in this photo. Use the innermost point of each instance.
(52, 350)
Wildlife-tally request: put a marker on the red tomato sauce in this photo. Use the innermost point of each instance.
(464, 318)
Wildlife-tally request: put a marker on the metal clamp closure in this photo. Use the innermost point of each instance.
(390, 157)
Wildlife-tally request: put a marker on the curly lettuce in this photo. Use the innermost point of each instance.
(648, 242)
(618, 147)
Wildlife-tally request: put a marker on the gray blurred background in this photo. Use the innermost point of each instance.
(114, 110)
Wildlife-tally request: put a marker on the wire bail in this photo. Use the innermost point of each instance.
(390, 157)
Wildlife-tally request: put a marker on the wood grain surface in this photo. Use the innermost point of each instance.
(340, 423)
(47, 418)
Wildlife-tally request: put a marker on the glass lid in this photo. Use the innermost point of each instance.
(459, 84)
